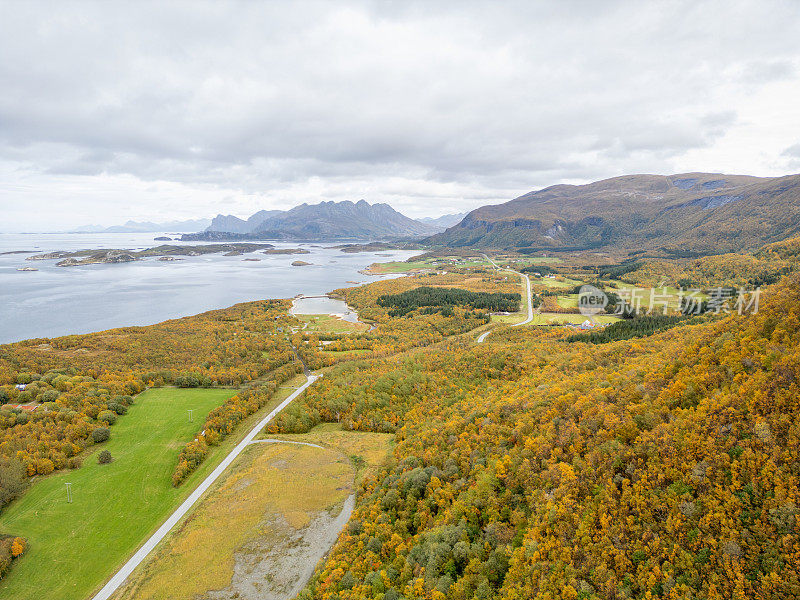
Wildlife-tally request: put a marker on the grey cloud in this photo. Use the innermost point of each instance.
(760, 72)
(264, 98)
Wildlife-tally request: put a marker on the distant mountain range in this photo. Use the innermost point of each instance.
(326, 220)
(689, 212)
(147, 227)
(444, 221)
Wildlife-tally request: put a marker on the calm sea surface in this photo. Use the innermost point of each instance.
(56, 301)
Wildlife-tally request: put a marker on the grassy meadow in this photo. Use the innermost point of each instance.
(74, 548)
(330, 324)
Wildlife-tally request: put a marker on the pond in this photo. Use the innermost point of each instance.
(323, 305)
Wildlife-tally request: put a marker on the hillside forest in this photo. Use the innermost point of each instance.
(653, 458)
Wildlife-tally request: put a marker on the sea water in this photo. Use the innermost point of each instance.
(56, 301)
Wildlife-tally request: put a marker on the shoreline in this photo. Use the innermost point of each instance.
(56, 302)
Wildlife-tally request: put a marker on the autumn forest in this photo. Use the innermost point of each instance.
(656, 457)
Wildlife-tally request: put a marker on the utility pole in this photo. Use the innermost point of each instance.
(69, 493)
(191, 416)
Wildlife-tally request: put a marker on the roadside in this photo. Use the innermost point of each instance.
(266, 523)
(527, 303)
(122, 574)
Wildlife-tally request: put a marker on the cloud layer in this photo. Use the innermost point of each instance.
(111, 111)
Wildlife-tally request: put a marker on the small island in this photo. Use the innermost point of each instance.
(286, 251)
(300, 263)
(164, 252)
(374, 247)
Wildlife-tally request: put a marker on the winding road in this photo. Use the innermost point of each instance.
(483, 336)
(120, 576)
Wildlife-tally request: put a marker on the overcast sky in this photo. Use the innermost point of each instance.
(112, 111)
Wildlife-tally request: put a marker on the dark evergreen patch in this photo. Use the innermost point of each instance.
(443, 299)
(629, 328)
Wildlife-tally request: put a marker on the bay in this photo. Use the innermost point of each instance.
(55, 301)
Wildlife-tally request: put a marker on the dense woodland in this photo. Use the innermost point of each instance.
(528, 467)
(659, 458)
(438, 299)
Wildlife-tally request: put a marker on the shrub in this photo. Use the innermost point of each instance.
(347, 582)
(10, 548)
(117, 407)
(187, 381)
(124, 400)
(12, 479)
(49, 396)
(44, 466)
(104, 457)
(108, 416)
(101, 434)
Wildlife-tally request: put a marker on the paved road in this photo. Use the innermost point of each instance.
(120, 576)
(482, 337)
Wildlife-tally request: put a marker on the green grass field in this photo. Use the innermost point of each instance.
(398, 266)
(562, 283)
(73, 548)
(519, 263)
(330, 324)
(568, 301)
(553, 318)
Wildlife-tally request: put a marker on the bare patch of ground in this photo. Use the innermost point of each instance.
(259, 534)
(277, 564)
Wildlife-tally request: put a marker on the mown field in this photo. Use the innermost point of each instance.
(330, 324)
(74, 547)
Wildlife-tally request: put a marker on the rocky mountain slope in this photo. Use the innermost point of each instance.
(326, 220)
(444, 221)
(692, 212)
(232, 224)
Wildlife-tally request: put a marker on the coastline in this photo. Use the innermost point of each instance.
(55, 301)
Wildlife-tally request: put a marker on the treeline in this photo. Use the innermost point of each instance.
(222, 421)
(617, 271)
(708, 272)
(10, 549)
(541, 269)
(440, 299)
